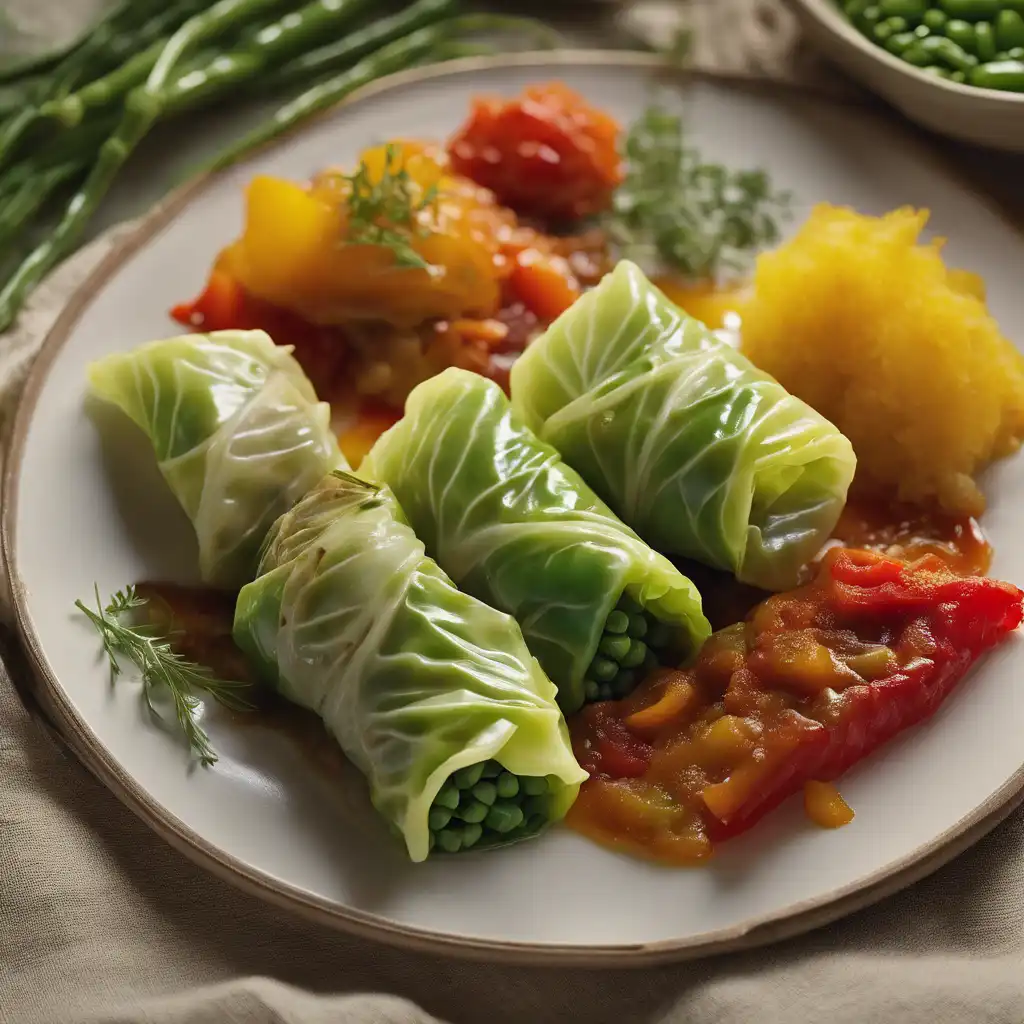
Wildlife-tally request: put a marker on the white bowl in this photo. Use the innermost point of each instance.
(982, 116)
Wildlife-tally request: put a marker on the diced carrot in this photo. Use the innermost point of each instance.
(544, 283)
(825, 805)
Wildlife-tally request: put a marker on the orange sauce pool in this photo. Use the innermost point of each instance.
(720, 308)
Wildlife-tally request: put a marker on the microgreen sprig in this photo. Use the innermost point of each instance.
(677, 210)
(162, 669)
(387, 212)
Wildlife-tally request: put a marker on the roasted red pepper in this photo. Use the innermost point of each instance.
(546, 154)
(813, 682)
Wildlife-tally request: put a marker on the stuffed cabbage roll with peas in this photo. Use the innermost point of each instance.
(238, 432)
(432, 694)
(513, 525)
(699, 451)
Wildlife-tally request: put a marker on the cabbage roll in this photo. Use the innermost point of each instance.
(237, 430)
(430, 693)
(699, 451)
(512, 524)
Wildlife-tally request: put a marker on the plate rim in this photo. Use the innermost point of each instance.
(47, 690)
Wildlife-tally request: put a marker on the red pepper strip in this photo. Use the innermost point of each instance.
(964, 618)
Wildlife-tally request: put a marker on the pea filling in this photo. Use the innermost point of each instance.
(633, 643)
(484, 804)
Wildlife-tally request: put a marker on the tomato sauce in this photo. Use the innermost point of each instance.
(810, 683)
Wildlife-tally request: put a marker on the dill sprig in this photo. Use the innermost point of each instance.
(387, 212)
(673, 209)
(163, 671)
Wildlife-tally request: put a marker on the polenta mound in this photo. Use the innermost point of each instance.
(870, 327)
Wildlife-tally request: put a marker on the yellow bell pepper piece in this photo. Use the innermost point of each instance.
(294, 251)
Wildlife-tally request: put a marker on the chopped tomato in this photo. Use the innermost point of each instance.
(547, 154)
(813, 682)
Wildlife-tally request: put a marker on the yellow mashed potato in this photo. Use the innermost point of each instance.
(870, 327)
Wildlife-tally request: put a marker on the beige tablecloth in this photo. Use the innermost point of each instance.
(101, 921)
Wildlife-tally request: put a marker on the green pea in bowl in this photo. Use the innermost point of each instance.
(954, 66)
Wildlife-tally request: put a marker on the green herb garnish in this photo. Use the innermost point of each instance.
(162, 669)
(698, 218)
(387, 212)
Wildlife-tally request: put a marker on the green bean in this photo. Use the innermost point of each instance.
(31, 196)
(971, 10)
(1009, 30)
(985, 42)
(273, 43)
(1006, 75)
(939, 49)
(911, 10)
(142, 109)
(343, 53)
(897, 44)
(962, 33)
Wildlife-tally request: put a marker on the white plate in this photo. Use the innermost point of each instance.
(280, 814)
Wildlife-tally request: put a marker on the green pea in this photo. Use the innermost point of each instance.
(450, 840)
(448, 797)
(935, 18)
(617, 622)
(897, 24)
(1005, 75)
(921, 32)
(1009, 30)
(472, 811)
(881, 33)
(898, 43)
(650, 660)
(604, 670)
(1015, 53)
(485, 792)
(635, 657)
(962, 33)
(939, 50)
(614, 647)
(971, 10)
(660, 635)
(853, 9)
(629, 604)
(467, 778)
(911, 10)
(637, 627)
(535, 785)
(508, 786)
(431, 840)
(471, 835)
(492, 770)
(591, 690)
(938, 72)
(437, 818)
(502, 818)
(958, 76)
(985, 42)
